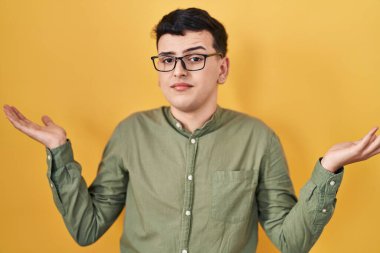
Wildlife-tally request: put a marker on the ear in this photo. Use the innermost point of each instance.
(224, 68)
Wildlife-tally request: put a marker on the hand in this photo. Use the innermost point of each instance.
(345, 153)
(51, 135)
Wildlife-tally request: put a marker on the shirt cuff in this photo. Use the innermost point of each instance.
(61, 155)
(327, 181)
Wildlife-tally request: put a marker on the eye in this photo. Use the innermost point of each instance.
(167, 60)
(195, 58)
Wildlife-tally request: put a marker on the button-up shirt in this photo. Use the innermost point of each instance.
(197, 192)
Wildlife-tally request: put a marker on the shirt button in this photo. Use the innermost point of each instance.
(190, 177)
(324, 210)
(51, 185)
(332, 183)
(178, 125)
(192, 141)
(187, 213)
(184, 251)
(49, 157)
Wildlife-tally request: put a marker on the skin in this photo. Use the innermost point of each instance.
(193, 99)
(192, 94)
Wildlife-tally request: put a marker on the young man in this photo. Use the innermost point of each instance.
(194, 177)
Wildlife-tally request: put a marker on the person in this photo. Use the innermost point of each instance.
(194, 177)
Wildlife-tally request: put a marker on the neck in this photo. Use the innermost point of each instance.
(194, 119)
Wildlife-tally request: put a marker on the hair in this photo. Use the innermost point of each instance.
(179, 21)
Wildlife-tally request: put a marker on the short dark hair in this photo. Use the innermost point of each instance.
(192, 19)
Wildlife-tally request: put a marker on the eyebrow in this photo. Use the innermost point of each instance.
(185, 51)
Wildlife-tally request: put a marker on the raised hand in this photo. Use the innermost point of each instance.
(350, 152)
(51, 135)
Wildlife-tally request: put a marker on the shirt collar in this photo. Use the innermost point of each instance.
(209, 126)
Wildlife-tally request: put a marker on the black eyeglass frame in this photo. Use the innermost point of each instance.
(182, 62)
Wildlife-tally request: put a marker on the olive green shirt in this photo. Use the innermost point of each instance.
(201, 192)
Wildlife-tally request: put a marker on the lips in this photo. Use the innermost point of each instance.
(181, 86)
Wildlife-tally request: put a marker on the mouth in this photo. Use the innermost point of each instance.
(181, 86)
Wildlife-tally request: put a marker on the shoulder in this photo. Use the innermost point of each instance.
(245, 122)
(147, 118)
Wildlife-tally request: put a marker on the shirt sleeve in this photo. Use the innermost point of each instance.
(294, 226)
(87, 212)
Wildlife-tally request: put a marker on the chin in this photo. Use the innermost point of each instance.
(183, 106)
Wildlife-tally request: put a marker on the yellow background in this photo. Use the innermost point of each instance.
(310, 69)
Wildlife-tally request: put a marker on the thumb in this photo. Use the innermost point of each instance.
(47, 120)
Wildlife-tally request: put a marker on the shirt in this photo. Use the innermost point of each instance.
(185, 192)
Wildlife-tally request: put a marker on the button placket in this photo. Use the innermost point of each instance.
(192, 146)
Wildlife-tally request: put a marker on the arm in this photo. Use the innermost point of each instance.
(294, 226)
(87, 213)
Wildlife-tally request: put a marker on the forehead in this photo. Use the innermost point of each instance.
(179, 43)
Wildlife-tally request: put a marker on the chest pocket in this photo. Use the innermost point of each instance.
(232, 195)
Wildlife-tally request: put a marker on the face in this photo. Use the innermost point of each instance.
(190, 91)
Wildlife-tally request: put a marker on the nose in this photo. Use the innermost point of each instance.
(180, 69)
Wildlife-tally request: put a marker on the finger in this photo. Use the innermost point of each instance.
(47, 120)
(6, 107)
(18, 113)
(13, 119)
(373, 138)
(375, 152)
(21, 118)
(370, 141)
(23, 125)
(375, 145)
(10, 113)
(367, 138)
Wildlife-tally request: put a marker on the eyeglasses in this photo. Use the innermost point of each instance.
(190, 62)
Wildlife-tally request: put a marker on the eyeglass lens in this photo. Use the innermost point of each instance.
(168, 63)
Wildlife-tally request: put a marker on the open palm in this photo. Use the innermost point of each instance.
(49, 134)
(350, 152)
